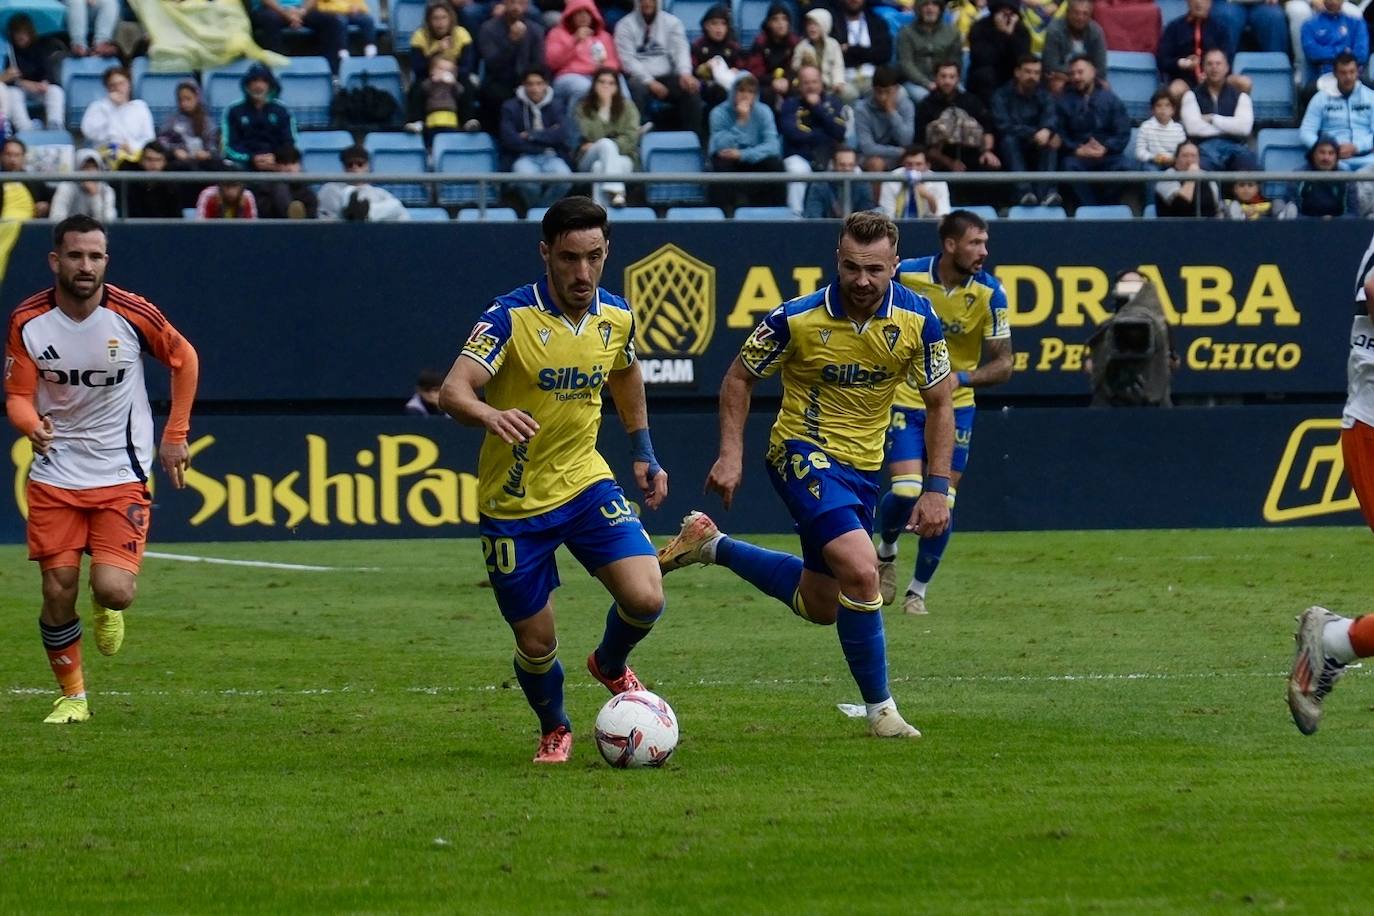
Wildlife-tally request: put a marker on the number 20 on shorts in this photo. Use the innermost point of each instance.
(499, 554)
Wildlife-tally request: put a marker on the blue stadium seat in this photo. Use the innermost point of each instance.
(221, 85)
(379, 72)
(1105, 211)
(320, 150)
(1134, 78)
(375, 8)
(1272, 74)
(764, 213)
(399, 153)
(1172, 9)
(428, 214)
(632, 214)
(83, 82)
(672, 151)
(493, 215)
(749, 15)
(159, 90)
(38, 137)
(1020, 212)
(307, 88)
(690, 12)
(1148, 211)
(406, 17)
(470, 153)
(138, 68)
(982, 210)
(535, 214)
(1278, 136)
(695, 214)
(189, 212)
(1281, 159)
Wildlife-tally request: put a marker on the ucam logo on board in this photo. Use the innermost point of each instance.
(673, 295)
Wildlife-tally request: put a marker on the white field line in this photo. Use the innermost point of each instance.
(777, 683)
(258, 564)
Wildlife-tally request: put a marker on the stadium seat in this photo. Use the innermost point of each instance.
(492, 215)
(632, 214)
(399, 153)
(470, 153)
(1281, 159)
(983, 210)
(672, 151)
(83, 82)
(1134, 78)
(765, 213)
(690, 12)
(749, 16)
(406, 17)
(695, 214)
(221, 85)
(1148, 211)
(1172, 9)
(1104, 211)
(189, 212)
(379, 72)
(320, 150)
(159, 90)
(428, 214)
(39, 137)
(48, 150)
(535, 214)
(1020, 212)
(1272, 74)
(307, 88)
(383, 27)
(1278, 136)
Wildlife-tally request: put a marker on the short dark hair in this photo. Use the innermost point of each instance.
(355, 153)
(1086, 57)
(1027, 58)
(1345, 57)
(886, 76)
(22, 145)
(113, 71)
(78, 223)
(869, 226)
(1163, 93)
(1187, 141)
(947, 63)
(748, 82)
(535, 71)
(571, 214)
(155, 146)
(957, 222)
(914, 149)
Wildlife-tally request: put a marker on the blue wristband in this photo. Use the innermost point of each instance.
(642, 449)
(963, 379)
(936, 484)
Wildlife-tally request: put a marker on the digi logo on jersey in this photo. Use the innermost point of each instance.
(673, 296)
(853, 375)
(571, 383)
(83, 378)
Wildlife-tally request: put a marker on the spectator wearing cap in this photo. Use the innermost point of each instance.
(355, 200)
(717, 58)
(1219, 118)
(1329, 34)
(1343, 113)
(819, 49)
(1184, 42)
(923, 44)
(1095, 130)
(885, 121)
(190, 135)
(534, 138)
(1068, 36)
(1027, 129)
(996, 42)
(1323, 199)
(653, 49)
(770, 56)
(744, 138)
(865, 39)
(257, 125)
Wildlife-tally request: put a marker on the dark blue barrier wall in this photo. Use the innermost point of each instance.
(283, 312)
(303, 477)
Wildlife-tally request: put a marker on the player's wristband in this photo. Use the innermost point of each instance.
(936, 484)
(642, 449)
(963, 379)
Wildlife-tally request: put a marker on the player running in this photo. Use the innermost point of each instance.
(74, 385)
(1328, 642)
(842, 351)
(544, 351)
(972, 308)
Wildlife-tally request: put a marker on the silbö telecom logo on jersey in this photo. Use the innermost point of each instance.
(673, 295)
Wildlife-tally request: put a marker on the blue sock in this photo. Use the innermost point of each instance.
(893, 513)
(623, 632)
(542, 681)
(772, 572)
(860, 625)
(931, 550)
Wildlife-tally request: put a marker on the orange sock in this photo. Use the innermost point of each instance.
(63, 644)
(1362, 636)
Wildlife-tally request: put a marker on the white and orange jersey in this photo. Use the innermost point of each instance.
(87, 378)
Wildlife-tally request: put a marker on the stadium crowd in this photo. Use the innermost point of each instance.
(899, 90)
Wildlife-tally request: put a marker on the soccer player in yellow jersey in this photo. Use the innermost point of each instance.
(972, 308)
(842, 352)
(543, 352)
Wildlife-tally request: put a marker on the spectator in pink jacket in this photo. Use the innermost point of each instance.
(576, 48)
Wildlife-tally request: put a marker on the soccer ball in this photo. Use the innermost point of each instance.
(636, 729)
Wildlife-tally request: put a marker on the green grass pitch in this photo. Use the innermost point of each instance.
(1104, 723)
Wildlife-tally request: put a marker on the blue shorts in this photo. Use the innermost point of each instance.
(598, 525)
(906, 435)
(826, 497)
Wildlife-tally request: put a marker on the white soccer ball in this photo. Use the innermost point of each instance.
(636, 729)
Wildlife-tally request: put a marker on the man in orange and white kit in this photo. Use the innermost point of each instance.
(1328, 642)
(74, 385)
